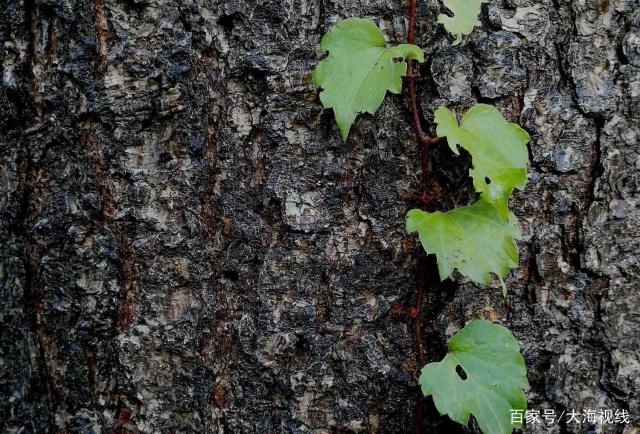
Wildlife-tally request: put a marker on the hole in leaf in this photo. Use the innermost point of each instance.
(461, 373)
(397, 59)
(487, 180)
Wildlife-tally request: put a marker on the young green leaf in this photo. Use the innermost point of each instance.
(498, 149)
(475, 239)
(495, 374)
(359, 69)
(464, 19)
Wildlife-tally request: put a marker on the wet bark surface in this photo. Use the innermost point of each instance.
(186, 245)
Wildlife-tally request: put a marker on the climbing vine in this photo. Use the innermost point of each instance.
(483, 374)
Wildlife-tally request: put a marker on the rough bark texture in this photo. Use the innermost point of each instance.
(187, 245)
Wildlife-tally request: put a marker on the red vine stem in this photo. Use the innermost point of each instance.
(423, 137)
(420, 300)
(412, 21)
(425, 140)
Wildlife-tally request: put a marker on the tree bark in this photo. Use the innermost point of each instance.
(188, 246)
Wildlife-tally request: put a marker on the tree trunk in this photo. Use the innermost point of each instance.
(188, 246)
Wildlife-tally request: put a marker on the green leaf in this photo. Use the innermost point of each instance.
(498, 149)
(359, 69)
(464, 19)
(475, 239)
(495, 378)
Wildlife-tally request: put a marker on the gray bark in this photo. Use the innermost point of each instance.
(187, 245)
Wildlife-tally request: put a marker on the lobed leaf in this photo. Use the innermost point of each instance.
(497, 147)
(475, 239)
(495, 374)
(464, 19)
(359, 70)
